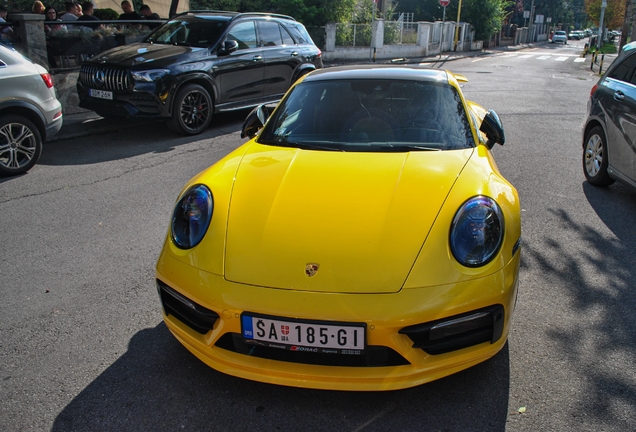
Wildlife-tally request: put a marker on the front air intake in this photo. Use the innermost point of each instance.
(459, 331)
(185, 310)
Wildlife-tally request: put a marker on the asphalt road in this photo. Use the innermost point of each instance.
(83, 346)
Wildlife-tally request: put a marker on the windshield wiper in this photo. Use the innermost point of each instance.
(406, 147)
(303, 146)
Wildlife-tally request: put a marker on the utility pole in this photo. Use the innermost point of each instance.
(459, 13)
(600, 26)
(530, 23)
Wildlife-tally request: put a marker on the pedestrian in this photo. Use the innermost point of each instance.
(6, 32)
(148, 14)
(87, 18)
(71, 12)
(50, 14)
(38, 7)
(129, 12)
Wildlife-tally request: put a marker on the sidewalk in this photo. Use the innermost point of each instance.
(89, 123)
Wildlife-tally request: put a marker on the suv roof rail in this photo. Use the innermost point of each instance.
(239, 14)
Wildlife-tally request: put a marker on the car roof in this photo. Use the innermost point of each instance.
(228, 15)
(390, 72)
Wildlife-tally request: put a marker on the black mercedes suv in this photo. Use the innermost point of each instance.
(197, 64)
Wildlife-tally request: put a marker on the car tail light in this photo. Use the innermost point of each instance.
(593, 90)
(48, 80)
(319, 53)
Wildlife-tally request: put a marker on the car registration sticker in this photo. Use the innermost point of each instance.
(304, 335)
(102, 94)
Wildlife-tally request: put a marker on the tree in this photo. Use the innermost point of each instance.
(486, 16)
(309, 12)
(614, 12)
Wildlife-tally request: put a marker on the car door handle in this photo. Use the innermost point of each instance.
(294, 54)
(619, 95)
(257, 58)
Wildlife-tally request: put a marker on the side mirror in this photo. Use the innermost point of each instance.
(229, 46)
(254, 121)
(492, 127)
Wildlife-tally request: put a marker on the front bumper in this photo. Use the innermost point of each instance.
(124, 103)
(385, 315)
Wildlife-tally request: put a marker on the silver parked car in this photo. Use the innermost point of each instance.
(559, 36)
(29, 111)
(609, 133)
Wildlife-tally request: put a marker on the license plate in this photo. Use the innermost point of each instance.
(102, 94)
(303, 335)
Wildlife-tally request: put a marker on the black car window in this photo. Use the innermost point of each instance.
(371, 115)
(244, 33)
(287, 39)
(299, 32)
(621, 71)
(188, 32)
(269, 33)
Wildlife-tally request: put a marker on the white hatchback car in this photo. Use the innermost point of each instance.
(29, 111)
(560, 36)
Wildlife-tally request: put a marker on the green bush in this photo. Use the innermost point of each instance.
(607, 48)
(106, 14)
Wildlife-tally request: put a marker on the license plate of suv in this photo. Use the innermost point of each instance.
(102, 94)
(304, 335)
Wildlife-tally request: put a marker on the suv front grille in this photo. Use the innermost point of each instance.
(104, 78)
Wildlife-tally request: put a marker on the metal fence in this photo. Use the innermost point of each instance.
(359, 35)
(353, 35)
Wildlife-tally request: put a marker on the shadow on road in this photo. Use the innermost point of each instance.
(158, 385)
(598, 279)
(134, 138)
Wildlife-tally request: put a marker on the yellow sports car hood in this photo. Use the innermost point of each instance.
(342, 222)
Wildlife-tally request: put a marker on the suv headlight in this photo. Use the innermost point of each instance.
(150, 75)
(477, 231)
(191, 217)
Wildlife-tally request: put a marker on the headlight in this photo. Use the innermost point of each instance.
(477, 231)
(191, 217)
(150, 75)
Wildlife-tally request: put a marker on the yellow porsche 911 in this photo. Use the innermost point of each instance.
(362, 239)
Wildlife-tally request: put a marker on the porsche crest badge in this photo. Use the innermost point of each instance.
(311, 269)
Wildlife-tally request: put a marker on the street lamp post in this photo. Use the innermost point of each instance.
(599, 43)
(530, 22)
(459, 12)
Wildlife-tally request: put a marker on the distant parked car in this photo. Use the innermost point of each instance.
(560, 36)
(29, 111)
(609, 133)
(574, 35)
(198, 64)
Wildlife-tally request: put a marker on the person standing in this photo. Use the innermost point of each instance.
(71, 12)
(148, 14)
(6, 32)
(50, 14)
(129, 12)
(88, 19)
(38, 7)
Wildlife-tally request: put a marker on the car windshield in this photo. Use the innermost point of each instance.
(188, 31)
(370, 115)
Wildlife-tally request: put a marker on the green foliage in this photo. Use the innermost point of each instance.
(106, 14)
(614, 12)
(353, 35)
(426, 10)
(309, 12)
(486, 16)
